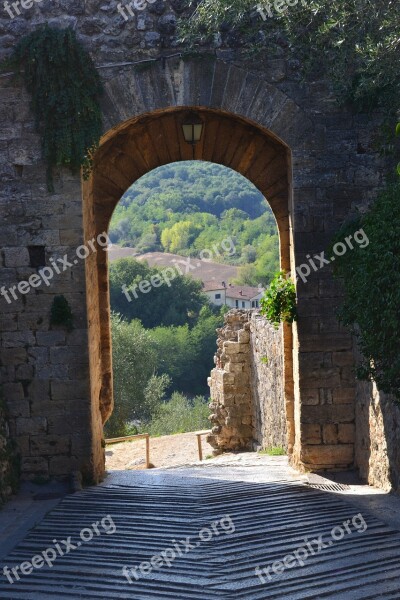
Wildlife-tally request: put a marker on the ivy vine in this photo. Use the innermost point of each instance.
(65, 88)
(10, 463)
(371, 282)
(61, 313)
(278, 303)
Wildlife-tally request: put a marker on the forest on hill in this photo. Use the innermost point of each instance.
(187, 207)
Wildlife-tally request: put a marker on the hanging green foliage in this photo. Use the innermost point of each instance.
(65, 87)
(278, 304)
(61, 313)
(371, 283)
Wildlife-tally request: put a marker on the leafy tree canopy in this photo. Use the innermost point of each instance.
(176, 304)
(185, 208)
(137, 390)
(356, 43)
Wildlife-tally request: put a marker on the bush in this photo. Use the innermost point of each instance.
(278, 304)
(180, 415)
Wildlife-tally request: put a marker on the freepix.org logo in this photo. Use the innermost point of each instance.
(132, 6)
(13, 9)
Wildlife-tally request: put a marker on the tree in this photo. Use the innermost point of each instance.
(204, 340)
(355, 43)
(180, 236)
(180, 415)
(137, 389)
(173, 304)
(187, 355)
(176, 354)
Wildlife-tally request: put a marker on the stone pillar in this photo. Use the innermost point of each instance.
(230, 386)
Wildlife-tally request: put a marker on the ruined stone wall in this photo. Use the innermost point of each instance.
(267, 383)
(248, 392)
(377, 447)
(231, 398)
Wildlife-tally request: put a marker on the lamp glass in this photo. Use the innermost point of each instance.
(192, 128)
(197, 131)
(188, 133)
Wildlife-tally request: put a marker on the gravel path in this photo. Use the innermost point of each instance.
(165, 451)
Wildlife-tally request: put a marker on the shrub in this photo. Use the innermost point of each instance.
(278, 304)
(180, 415)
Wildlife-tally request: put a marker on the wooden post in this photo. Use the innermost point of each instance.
(128, 438)
(147, 452)
(199, 446)
(199, 434)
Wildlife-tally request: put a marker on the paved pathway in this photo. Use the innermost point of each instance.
(222, 520)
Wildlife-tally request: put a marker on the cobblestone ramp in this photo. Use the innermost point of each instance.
(271, 520)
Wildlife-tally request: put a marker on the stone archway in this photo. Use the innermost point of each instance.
(138, 146)
(58, 392)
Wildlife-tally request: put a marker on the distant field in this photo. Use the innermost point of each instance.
(204, 271)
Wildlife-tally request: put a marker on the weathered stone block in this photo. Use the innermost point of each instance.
(16, 257)
(344, 395)
(346, 433)
(67, 390)
(327, 414)
(17, 339)
(32, 426)
(49, 445)
(340, 455)
(231, 348)
(61, 466)
(330, 433)
(19, 408)
(310, 397)
(343, 359)
(34, 466)
(243, 336)
(311, 434)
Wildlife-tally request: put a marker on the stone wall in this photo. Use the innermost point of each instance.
(247, 385)
(267, 383)
(377, 453)
(333, 165)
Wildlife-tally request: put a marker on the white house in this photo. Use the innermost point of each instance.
(234, 296)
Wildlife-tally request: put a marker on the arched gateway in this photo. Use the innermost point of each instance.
(249, 125)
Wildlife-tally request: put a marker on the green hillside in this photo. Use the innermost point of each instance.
(188, 207)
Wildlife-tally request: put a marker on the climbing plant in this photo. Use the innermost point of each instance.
(278, 303)
(65, 88)
(10, 466)
(371, 281)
